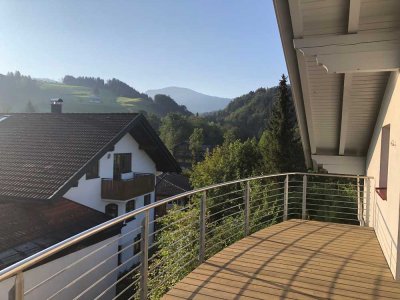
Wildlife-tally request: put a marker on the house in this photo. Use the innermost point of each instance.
(62, 173)
(343, 59)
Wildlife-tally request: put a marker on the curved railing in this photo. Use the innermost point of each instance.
(179, 233)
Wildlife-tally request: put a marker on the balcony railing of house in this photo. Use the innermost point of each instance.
(173, 245)
(125, 189)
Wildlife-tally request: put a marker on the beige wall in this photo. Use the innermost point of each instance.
(385, 214)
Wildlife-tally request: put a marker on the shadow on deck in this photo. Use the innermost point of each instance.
(295, 260)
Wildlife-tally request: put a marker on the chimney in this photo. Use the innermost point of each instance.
(56, 105)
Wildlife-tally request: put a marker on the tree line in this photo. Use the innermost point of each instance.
(118, 87)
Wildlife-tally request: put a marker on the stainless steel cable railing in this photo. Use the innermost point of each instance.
(146, 261)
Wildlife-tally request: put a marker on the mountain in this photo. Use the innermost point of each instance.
(194, 101)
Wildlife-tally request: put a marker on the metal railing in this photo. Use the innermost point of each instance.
(143, 262)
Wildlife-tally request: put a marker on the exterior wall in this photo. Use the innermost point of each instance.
(130, 231)
(88, 193)
(37, 275)
(385, 218)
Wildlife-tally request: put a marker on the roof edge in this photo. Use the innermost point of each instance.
(146, 125)
(78, 174)
(282, 13)
(139, 119)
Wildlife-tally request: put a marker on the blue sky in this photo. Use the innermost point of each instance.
(219, 47)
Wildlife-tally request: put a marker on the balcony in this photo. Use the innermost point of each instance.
(292, 235)
(296, 259)
(126, 189)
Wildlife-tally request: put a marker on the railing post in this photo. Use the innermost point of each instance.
(246, 208)
(202, 239)
(360, 204)
(19, 286)
(367, 202)
(286, 199)
(304, 199)
(144, 270)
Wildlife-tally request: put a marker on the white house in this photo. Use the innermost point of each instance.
(61, 174)
(343, 59)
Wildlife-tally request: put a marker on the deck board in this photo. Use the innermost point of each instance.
(295, 260)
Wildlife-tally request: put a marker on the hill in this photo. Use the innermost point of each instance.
(81, 94)
(247, 116)
(194, 101)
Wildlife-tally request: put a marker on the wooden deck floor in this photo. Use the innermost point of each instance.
(295, 260)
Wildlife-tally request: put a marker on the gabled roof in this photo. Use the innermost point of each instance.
(44, 154)
(27, 228)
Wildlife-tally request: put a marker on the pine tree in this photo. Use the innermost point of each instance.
(280, 144)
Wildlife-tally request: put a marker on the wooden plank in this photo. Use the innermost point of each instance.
(306, 100)
(346, 39)
(295, 260)
(371, 61)
(296, 17)
(265, 282)
(354, 16)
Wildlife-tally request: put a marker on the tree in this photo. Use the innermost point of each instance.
(175, 129)
(228, 162)
(196, 141)
(279, 144)
(29, 107)
(154, 121)
(229, 136)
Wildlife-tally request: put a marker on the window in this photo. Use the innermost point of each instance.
(147, 199)
(136, 244)
(112, 210)
(93, 171)
(122, 164)
(130, 205)
(384, 163)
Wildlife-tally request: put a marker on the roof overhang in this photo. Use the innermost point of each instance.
(339, 63)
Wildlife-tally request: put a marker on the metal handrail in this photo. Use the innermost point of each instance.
(31, 261)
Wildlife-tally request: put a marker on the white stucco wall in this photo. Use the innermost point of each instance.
(385, 214)
(88, 192)
(35, 276)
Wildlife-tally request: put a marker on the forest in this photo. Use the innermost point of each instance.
(275, 149)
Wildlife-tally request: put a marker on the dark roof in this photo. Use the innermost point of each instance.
(170, 184)
(27, 228)
(44, 154)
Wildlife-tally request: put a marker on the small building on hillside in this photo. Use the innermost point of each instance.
(61, 174)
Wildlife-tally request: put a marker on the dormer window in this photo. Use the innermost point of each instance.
(93, 171)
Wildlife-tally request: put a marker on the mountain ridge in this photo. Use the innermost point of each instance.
(195, 101)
